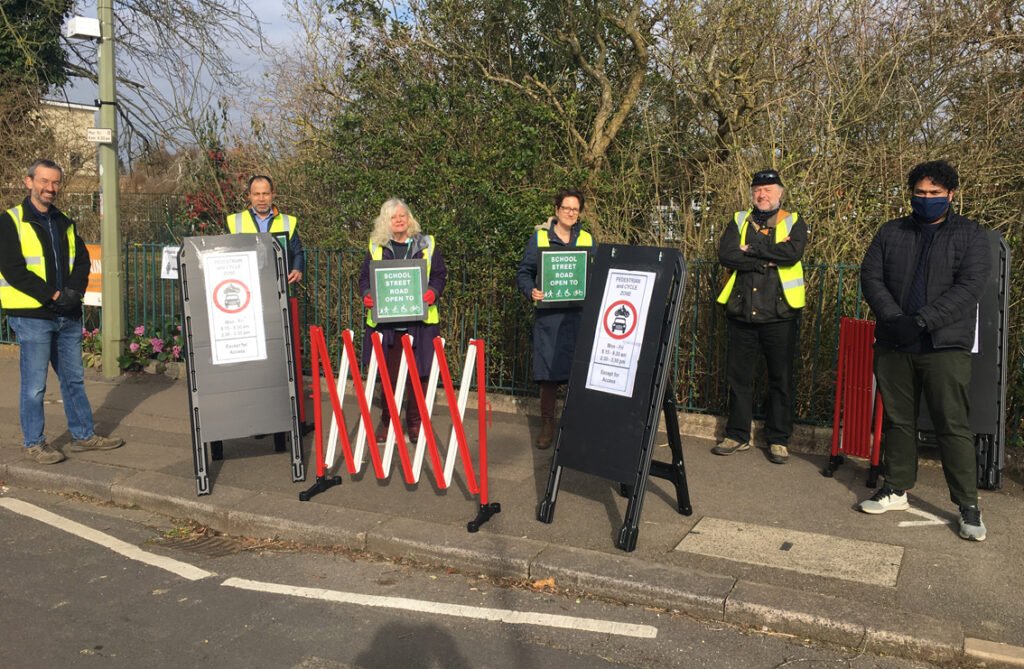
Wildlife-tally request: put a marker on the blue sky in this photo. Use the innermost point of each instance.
(277, 29)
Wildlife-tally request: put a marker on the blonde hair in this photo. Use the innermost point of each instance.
(381, 233)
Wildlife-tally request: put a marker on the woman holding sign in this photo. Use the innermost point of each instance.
(549, 263)
(397, 235)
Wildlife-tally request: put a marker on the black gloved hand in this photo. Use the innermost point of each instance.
(906, 330)
(756, 244)
(68, 300)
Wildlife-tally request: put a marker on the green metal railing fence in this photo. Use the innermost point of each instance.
(481, 302)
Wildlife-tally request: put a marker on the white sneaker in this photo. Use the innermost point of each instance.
(886, 499)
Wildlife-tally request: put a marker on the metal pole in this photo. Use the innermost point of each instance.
(112, 322)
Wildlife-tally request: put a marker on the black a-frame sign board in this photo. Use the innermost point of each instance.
(240, 359)
(620, 381)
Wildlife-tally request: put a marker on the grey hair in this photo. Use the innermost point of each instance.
(381, 233)
(44, 162)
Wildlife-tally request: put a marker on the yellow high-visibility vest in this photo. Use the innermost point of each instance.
(243, 222)
(377, 253)
(790, 276)
(544, 241)
(32, 250)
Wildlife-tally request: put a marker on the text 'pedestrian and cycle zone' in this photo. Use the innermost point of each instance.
(397, 290)
(563, 276)
(620, 332)
(235, 307)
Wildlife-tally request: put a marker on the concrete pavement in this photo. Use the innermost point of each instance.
(779, 548)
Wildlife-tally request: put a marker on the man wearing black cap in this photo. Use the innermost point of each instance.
(763, 297)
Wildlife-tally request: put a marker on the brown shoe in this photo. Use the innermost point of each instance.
(43, 454)
(547, 433)
(96, 443)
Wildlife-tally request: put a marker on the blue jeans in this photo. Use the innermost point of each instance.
(44, 342)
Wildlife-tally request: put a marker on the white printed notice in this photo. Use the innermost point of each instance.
(620, 332)
(235, 307)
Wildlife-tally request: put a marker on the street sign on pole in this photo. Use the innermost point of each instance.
(99, 135)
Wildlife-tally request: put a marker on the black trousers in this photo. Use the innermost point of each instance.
(777, 342)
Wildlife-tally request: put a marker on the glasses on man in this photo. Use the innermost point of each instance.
(570, 210)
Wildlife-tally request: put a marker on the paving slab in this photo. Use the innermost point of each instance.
(804, 552)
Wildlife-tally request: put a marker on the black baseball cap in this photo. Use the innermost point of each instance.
(765, 177)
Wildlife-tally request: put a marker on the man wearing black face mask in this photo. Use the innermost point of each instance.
(763, 296)
(922, 276)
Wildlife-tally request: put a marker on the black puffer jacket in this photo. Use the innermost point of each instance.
(958, 266)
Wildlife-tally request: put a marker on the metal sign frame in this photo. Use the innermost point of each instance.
(253, 396)
(611, 433)
(989, 372)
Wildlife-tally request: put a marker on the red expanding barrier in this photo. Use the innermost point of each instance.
(857, 417)
(393, 391)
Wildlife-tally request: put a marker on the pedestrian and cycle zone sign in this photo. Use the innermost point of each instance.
(235, 307)
(619, 334)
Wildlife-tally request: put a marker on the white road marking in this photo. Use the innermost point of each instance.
(438, 608)
(930, 519)
(182, 569)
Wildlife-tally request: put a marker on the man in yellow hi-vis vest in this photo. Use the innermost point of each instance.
(263, 216)
(764, 294)
(44, 267)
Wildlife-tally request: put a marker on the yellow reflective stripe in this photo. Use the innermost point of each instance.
(787, 224)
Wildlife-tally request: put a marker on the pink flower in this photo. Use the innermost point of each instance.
(140, 330)
(157, 344)
(133, 347)
(176, 352)
(95, 331)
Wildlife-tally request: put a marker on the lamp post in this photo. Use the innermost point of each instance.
(112, 321)
(112, 324)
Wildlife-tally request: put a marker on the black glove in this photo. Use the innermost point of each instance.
(69, 300)
(906, 330)
(756, 244)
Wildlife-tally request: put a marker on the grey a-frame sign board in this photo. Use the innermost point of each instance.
(239, 361)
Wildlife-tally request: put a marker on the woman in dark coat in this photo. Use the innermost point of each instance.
(554, 329)
(397, 235)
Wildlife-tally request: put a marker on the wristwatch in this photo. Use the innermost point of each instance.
(920, 322)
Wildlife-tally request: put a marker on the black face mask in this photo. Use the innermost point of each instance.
(761, 217)
(928, 209)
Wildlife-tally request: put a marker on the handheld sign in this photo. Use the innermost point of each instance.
(397, 288)
(563, 278)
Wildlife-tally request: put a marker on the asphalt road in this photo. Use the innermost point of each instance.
(80, 595)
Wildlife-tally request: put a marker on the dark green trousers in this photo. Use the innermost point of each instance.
(942, 377)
